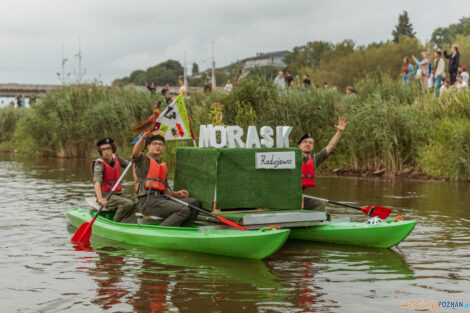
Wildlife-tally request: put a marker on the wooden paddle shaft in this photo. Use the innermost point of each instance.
(220, 218)
(190, 205)
(334, 202)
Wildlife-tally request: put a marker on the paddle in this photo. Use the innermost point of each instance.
(220, 218)
(83, 233)
(370, 211)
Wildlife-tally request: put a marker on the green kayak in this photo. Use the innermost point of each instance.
(314, 226)
(381, 235)
(253, 244)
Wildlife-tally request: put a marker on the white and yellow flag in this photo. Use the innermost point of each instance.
(173, 122)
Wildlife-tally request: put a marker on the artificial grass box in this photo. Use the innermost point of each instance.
(230, 177)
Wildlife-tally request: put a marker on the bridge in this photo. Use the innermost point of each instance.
(13, 90)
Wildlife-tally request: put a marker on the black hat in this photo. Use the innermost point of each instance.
(156, 137)
(305, 136)
(105, 141)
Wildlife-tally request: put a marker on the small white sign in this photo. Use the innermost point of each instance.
(275, 160)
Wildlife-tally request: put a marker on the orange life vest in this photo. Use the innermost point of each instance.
(156, 177)
(110, 174)
(308, 172)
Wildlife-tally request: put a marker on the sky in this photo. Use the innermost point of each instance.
(118, 37)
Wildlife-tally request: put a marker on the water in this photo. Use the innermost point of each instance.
(41, 272)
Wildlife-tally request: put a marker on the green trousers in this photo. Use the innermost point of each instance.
(174, 213)
(123, 205)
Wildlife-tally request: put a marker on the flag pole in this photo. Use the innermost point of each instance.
(191, 130)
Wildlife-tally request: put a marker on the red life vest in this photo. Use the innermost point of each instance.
(156, 177)
(308, 172)
(110, 174)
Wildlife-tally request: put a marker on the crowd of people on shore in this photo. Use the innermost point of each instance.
(281, 82)
(432, 74)
(287, 83)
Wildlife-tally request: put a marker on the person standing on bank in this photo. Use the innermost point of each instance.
(440, 74)
(150, 175)
(454, 62)
(289, 80)
(106, 171)
(312, 161)
(423, 70)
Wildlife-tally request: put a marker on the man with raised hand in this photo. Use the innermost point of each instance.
(151, 186)
(312, 160)
(106, 171)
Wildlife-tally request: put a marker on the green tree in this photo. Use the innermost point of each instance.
(138, 77)
(166, 72)
(446, 35)
(403, 28)
(195, 68)
(310, 54)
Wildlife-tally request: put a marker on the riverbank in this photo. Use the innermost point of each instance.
(382, 174)
(393, 129)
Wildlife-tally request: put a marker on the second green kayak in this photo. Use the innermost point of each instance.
(381, 235)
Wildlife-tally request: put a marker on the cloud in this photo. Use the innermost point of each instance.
(121, 36)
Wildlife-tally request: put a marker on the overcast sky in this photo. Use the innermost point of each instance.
(118, 37)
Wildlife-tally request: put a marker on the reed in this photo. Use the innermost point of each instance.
(392, 126)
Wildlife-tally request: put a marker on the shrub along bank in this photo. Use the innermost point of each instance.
(392, 127)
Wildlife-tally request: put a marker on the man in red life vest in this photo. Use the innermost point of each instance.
(150, 175)
(106, 171)
(312, 161)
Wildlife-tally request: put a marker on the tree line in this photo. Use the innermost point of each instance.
(340, 64)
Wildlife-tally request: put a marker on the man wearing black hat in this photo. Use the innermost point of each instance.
(151, 186)
(312, 161)
(106, 170)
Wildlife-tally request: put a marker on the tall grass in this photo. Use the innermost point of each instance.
(391, 127)
(67, 122)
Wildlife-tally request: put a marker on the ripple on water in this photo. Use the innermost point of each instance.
(41, 265)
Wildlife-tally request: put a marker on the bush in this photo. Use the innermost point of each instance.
(447, 153)
(9, 117)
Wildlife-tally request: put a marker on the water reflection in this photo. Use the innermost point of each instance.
(166, 279)
(157, 280)
(107, 273)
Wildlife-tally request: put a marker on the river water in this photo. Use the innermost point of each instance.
(41, 272)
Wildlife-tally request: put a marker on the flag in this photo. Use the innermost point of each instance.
(149, 124)
(173, 122)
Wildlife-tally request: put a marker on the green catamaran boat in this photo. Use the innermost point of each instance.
(253, 244)
(228, 183)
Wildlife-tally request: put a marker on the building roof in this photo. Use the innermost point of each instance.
(275, 54)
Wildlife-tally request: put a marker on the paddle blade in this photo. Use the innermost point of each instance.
(379, 211)
(233, 224)
(83, 233)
